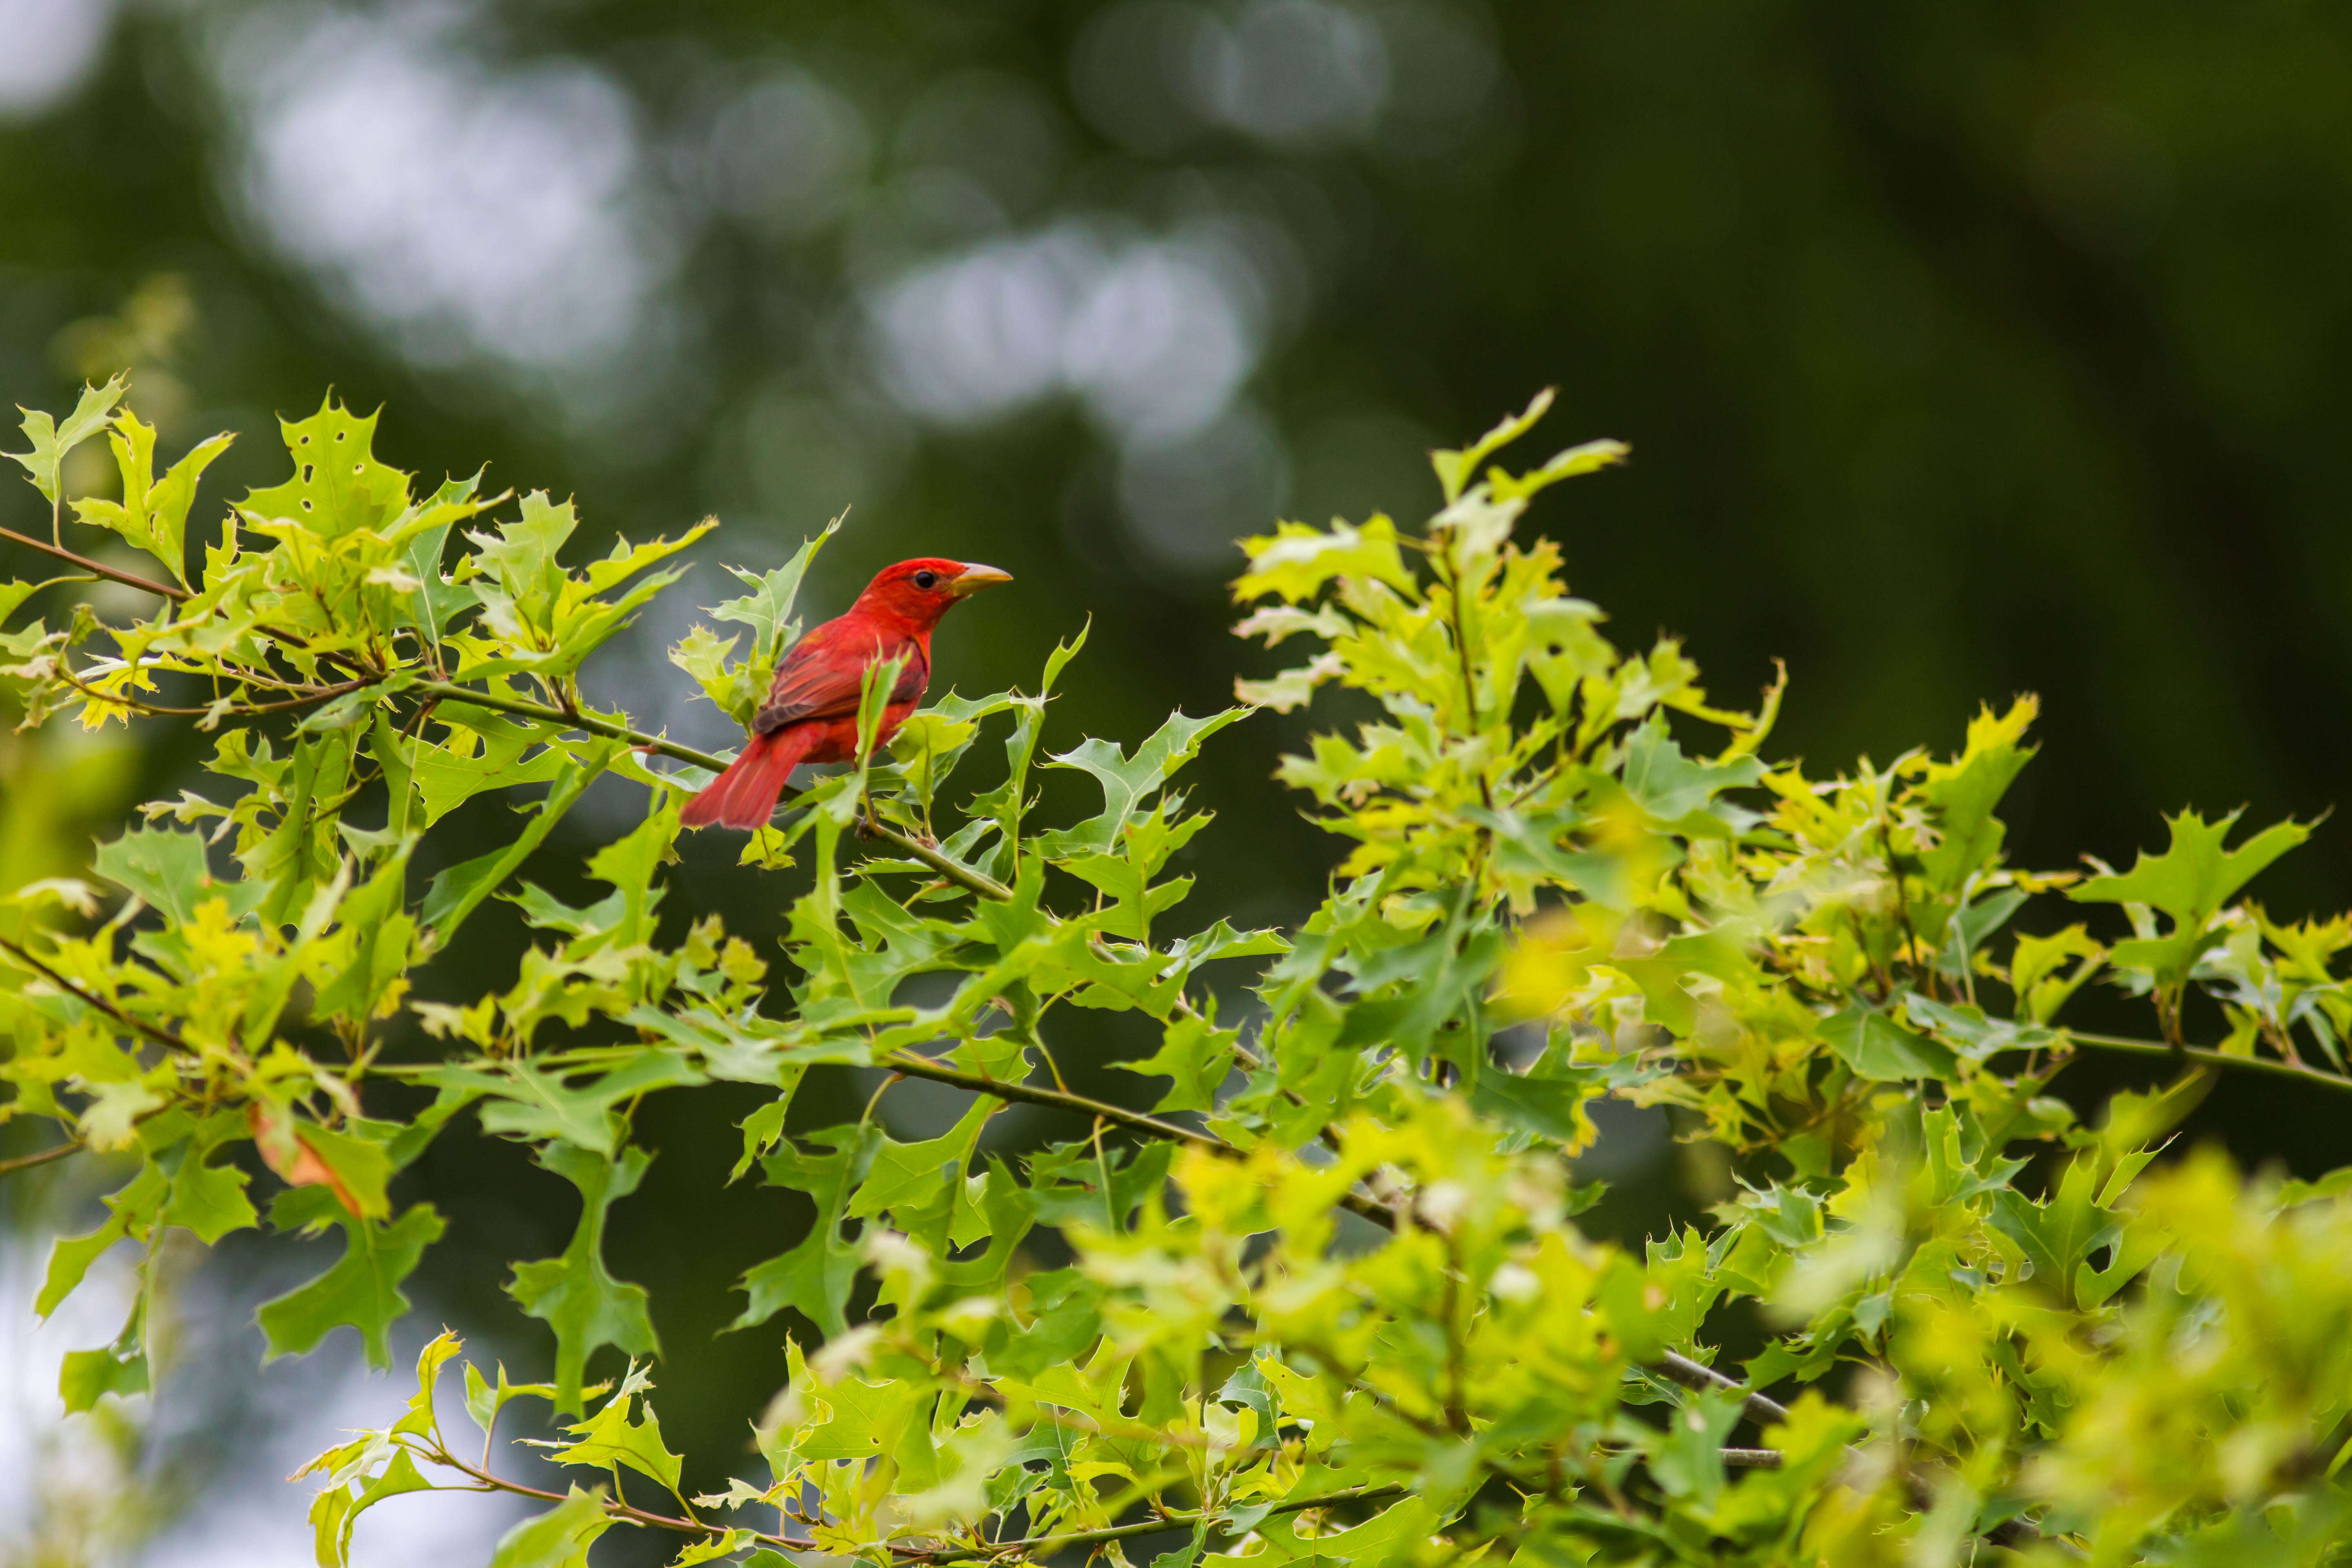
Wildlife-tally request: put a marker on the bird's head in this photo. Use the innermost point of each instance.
(919, 591)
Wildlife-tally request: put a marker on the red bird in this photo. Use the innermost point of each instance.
(811, 714)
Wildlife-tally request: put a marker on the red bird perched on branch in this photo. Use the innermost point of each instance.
(811, 713)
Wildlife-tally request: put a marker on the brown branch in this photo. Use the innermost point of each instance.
(618, 1507)
(89, 998)
(1701, 1378)
(240, 709)
(98, 568)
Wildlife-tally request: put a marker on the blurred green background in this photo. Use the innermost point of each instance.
(1963, 351)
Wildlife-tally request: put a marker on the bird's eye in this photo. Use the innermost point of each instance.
(926, 579)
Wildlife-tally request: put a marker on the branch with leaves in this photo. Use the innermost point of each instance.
(1571, 875)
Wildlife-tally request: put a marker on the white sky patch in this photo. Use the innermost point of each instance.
(468, 210)
(47, 50)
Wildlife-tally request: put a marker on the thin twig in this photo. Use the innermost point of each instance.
(2208, 1056)
(84, 563)
(1452, 577)
(1041, 1545)
(1922, 969)
(1701, 1378)
(26, 1162)
(619, 1508)
(523, 707)
(241, 710)
(917, 1066)
(129, 1021)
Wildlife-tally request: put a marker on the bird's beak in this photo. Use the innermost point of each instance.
(973, 578)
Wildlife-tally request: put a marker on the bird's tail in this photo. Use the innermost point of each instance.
(745, 794)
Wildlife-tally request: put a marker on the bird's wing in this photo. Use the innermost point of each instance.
(821, 677)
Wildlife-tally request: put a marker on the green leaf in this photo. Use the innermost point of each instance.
(382, 939)
(1586, 458)
(1960, 796)
(1195, 1057)
(815, 1276)
(706, 656)
(205, 1198)
(767, 609)
(2190, 881)
(1689, 1462)
(131, 1210)
(560, 1538)
(52, 441)
(611, 1437)
(458, 891)
(1877, 1047)
(522, 555)
(630, 862)
(1679, 793)
(1297, 562)
(360, 1165)
(338, 487)
(485, 752)
(152, 515)
(163, 866)
(1390, 1537)
(913, 1175)
(88, 1376)
(1980, 1037)
(362, 1290)
(483, 1403)
(1127, 781)
(1550, 1108)
(435, 603)
(1454, 467)
(761, 1129)
(533, 1103)
(573, 1293)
